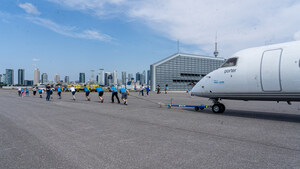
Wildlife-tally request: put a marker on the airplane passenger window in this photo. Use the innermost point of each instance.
(230, 62)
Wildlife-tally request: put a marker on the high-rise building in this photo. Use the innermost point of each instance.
(57, 78)
(137, 77)
(101, 77)
(119, 83)
(143, 77)
(67, 80)
(4, 78)
(148, 77)
(115, 78)
(36, 79)
(108, 78)
(21, 76)
(81, 77)
(1, 80)
(9, 76)
(130, 77)
(92, 77)
(44, 78)
(124, 78)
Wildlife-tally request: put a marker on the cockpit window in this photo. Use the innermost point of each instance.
(230, 62)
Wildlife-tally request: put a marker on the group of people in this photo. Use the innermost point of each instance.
(142, 88)
(49, 93)
(23, 91)
(158, 89)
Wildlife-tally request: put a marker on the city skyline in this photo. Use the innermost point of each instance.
(38, 76)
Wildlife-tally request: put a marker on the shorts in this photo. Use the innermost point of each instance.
(101, 93)
(87, 93)
(73, 93)
(124, 95)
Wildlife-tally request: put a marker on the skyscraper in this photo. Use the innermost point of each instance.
(36, 79)
(108, 78)
(9, 76)
(101, 78)
(92, 78)
(67, 80)
(130, 76)
(81, 77)
(1, 80)
(137, 77)
(44, 78)
(148, 77)
(143, 77)
(21, 76)
(4, 78)
(57, 78)
(115, 78)
(124, 78)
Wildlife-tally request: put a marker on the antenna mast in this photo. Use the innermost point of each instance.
(177, 46)
(216, 53)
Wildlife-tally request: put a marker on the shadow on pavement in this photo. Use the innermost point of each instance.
(256, 115)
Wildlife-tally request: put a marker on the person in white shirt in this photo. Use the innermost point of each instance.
(19, 91)
(73, 90)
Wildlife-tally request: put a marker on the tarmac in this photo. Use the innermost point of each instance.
(63, 133)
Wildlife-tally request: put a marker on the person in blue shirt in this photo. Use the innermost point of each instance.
(87, 92)
(100, 92)
(124, 92)
(166, 88)
(27, 92)
(48, 90)
(59, 92)
(22, 92)
(147, 90)
(114, 93)
(40, 92)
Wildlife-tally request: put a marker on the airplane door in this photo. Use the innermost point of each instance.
(270, 70)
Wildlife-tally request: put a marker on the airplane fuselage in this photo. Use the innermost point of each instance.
(270, 73)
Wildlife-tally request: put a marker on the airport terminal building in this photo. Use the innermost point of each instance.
(180, 70)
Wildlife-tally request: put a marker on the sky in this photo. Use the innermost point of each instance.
(72, 36)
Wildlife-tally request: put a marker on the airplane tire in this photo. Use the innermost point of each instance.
(196, 108)
(218, 108)
(222, 108)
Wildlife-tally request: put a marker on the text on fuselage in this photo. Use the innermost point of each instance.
(230, 71)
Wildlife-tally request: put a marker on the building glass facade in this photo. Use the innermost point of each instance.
(21, 77)
(180, 70)
(81, 77)
(9, 76)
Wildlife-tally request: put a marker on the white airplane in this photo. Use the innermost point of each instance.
(266, 73)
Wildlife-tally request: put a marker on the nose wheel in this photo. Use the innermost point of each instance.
(218, 108)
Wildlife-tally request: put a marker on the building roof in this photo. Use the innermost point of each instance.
(185, 55)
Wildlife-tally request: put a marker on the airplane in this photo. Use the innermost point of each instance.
(265, 73)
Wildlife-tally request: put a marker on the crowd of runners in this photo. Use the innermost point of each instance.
(49, 93)
(123, 91)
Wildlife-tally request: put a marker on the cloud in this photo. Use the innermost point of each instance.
(70, 31)
(35, 60)
(29, 8)
(97, 7)
(239, 24)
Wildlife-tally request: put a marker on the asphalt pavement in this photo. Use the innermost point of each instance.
(63, 133)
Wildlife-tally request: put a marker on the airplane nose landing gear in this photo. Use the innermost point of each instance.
(218, 107)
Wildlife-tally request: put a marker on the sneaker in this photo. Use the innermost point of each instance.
(102, 101)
